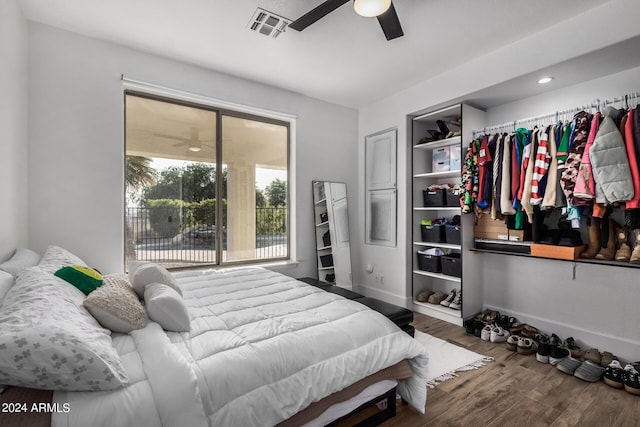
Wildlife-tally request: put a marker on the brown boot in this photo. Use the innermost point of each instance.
(635, 255)
(608, 252)
(594, 241)
(624, 251)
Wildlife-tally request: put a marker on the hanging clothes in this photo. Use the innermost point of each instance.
(484, 165)
(528, 164)
(632, 138)
(470, 177)
(609, 161)
(540, 168)
(585, 189)
(582, 122)
(496, 210)
(549, 199)
(506, 199)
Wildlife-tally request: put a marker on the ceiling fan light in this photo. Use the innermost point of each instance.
(371, 8)
(194, 148)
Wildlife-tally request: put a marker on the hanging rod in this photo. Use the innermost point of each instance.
(596, 104)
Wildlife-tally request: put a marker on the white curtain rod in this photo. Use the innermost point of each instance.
(184, 95)
(557, 115)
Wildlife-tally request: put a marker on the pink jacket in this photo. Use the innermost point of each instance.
(585, 189)
(634, 203)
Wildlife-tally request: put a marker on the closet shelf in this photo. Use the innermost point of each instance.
(436, 208)
(322, 223)
(577, 261)
(438, 144)
(447, 174)
(438, 245)
(438, 276)
(438, 311)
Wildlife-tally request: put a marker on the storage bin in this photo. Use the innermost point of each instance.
(451, 265)
(452, 200)
(434, 197)
(429, 263)
(452, 234)
(433, 233)
(326, 260)
(326, 239)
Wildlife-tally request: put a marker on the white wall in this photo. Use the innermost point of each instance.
(76, 154)
(595, 29)
(13, 128)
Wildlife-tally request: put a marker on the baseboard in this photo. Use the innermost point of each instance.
(624, 348)
(380, 294)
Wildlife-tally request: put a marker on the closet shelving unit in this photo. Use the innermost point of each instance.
(421, 176)
(322, 227)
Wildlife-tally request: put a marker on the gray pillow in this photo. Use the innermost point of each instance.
(166, 307)
(21, 259)
(152, 273)
(116, 306)
(56, 257)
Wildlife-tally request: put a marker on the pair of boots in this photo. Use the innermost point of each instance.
(617, 237)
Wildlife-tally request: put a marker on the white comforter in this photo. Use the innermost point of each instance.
(262, 347)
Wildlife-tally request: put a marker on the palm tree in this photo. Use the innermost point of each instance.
(139, 173)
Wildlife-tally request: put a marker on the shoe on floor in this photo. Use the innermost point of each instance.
(568, 365)
(447, 301)
(424, 295)
(594, 355)
(526, 346)
(613, 375)
(544, 350)
(512, 342)
(589, 371)
(606, 359)
(558, 354)
(485, 335)
(499, 334)
(576, 351)
(631, 380)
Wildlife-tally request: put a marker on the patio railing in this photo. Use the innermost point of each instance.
(170, 236)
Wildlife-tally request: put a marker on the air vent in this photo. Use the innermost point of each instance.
(268, 23)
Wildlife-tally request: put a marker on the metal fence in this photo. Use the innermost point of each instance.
(173, 238)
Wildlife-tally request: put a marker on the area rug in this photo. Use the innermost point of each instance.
(446, 359)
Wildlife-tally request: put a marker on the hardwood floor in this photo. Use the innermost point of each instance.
(514, 390)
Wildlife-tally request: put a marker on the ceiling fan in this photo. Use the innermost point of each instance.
(382, 9)
(194, 143)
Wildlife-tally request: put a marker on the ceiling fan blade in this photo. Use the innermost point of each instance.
(316, 14)
(390, 23)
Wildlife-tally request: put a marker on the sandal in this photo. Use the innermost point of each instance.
(529, 331)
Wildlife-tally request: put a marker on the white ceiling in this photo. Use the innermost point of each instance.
(343, 58)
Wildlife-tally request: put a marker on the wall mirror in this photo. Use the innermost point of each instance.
(333, 250)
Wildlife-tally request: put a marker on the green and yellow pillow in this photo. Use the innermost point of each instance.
(86, 279)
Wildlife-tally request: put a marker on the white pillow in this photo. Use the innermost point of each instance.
(21, 259)
(133, 266)
(115, 305)
(6, 282)
(152, 273)
(56, 257)
(50, 341)
(166, 307)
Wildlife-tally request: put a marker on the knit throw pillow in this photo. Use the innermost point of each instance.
(86, 279)
(115, 305)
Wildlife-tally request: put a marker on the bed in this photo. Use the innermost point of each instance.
(262, 349)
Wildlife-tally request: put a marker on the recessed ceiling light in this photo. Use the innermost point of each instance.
(544, 80)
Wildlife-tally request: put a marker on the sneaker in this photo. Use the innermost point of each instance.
(576, 351)
(485, 335)
(446, 302)
(512, 342)
(631, 380)
(606, 359)
(499, 334)
(544, 350)
(568, 365)
(456, 304)
(613, 375)
(557, 355)
(589, 371)
(526, 346)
